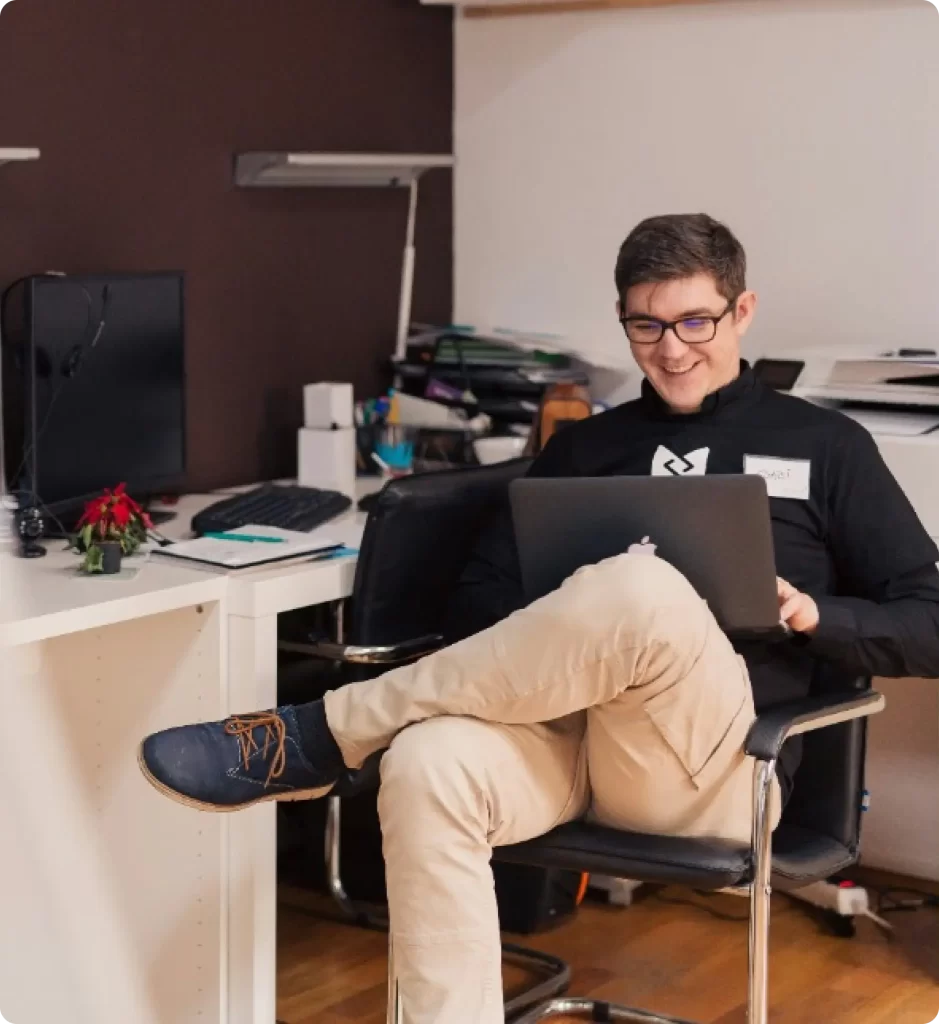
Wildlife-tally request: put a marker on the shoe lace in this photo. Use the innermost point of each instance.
(275, 732)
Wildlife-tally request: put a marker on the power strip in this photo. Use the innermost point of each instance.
(844, 898)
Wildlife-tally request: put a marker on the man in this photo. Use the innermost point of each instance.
(617, 696)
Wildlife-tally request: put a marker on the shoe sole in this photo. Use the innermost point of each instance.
(203, 805)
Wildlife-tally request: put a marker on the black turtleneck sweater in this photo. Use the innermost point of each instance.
(854, 544)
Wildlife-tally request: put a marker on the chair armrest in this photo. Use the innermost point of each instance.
(387, 654)
(771, 729)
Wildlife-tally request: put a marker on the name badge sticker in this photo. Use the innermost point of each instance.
(785, 478)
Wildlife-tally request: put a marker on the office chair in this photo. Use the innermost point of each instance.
(818, 836)
(415, 545)
(413, 550)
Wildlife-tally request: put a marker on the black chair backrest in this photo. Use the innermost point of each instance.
(416, 543)
(829, 786)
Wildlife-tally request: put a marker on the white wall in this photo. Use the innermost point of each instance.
(810, 127)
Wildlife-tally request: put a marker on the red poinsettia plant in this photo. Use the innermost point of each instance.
(113, 517)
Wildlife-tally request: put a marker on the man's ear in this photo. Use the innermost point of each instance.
(746, 309)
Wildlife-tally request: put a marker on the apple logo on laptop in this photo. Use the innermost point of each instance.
(644, 547)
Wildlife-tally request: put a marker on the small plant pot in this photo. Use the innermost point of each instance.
(110, 556)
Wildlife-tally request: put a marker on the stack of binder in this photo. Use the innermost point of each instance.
(484, 375)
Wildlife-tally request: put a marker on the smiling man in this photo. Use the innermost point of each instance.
(617, 695)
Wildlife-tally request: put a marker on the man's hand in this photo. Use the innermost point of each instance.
(796, 609)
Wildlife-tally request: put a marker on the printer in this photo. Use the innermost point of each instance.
(893, 394)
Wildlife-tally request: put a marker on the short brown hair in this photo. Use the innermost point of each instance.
(681, 245)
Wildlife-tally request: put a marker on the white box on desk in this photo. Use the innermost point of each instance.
(327, 405)
(326, 459)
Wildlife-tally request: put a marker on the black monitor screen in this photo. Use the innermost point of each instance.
(108, 408)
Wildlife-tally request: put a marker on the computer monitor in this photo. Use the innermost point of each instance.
(94, 370)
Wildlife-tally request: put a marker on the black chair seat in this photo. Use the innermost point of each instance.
(803, 855)
(698, 863)
(798, 854)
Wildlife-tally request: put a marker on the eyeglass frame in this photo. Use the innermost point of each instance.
(673, 325)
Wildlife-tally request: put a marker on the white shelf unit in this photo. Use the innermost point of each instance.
(13, 155)
(350, 170)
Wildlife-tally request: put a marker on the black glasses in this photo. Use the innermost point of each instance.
(692, 330)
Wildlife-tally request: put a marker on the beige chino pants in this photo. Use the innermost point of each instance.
(617, 697)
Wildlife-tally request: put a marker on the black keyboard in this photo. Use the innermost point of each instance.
(289, 507)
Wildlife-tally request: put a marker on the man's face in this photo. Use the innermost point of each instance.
(684, 372)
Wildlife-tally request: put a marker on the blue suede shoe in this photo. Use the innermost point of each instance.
(234, 763)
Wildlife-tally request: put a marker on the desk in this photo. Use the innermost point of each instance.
(120, 905)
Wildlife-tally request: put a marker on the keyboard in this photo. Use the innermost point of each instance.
(289, 507)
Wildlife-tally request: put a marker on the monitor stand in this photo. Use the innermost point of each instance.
(160, 516)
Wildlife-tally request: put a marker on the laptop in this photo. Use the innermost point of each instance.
(714, 529)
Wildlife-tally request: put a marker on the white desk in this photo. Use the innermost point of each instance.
(120, 905)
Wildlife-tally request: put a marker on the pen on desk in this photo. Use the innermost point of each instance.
(247, 538)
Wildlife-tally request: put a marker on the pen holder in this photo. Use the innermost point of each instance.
(394, 445)
(383, 445)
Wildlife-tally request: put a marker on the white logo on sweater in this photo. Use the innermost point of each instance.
(666, 463)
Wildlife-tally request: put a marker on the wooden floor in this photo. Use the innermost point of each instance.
(669, 958)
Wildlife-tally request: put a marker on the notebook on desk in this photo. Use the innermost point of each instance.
(249, 549)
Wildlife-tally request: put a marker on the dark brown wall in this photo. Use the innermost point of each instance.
(138, 107)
